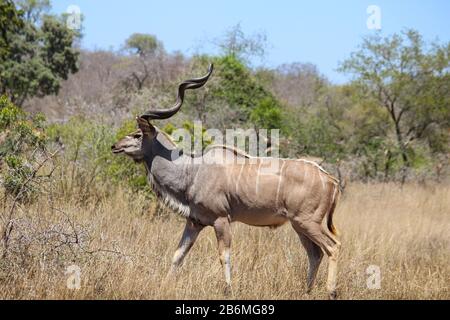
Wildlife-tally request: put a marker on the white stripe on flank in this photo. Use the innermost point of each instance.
(313, 177)
(239, 177)
(321, 179)
(334, 192)
(257, 176)
(279, 182)
(305, 173)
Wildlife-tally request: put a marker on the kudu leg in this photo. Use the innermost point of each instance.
(190, 234)
(327, 242)
(223, 234)
(315, 255)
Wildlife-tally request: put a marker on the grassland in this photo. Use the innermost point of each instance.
(124, 251)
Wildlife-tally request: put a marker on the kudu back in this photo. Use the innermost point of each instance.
(226, 185)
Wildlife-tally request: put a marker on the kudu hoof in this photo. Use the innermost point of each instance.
(332, 295)
(228, 291)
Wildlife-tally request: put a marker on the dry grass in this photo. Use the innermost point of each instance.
(403, 231)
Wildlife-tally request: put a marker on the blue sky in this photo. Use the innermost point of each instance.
(320, 32)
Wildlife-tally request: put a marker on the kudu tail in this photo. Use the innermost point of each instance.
(330, 225)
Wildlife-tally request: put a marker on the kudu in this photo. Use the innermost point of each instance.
(215, 193)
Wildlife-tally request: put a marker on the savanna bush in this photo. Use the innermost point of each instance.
(22, 144)
(85, 168)
(88, 168)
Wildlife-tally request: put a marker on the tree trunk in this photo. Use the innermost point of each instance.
(403, 152)
(390, 105)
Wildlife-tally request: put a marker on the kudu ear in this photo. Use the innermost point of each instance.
(146, 127)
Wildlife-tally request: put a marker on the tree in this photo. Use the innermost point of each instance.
(410, 83)
(298, 84)
(36, 57)
(146, 47)
(230, 97)
(10, 22)
(142, 44)
(237, 44)
(34, 10)
(267, 114)
(22, 142)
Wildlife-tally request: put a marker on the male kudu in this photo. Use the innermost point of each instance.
(237, 188)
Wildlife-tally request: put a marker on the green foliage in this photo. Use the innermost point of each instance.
(10, 22)
(9, 113)
(119, 168)
(195, 136)
(169, 128)
(17, 173)
(410, 84)
(312, 136)
(33, 9)
(234, 87)
(35, 56)
(20, 133)
(127, 127)
(393, 115)
(59, 56)
(237, 87)
(87, 146)
(86, 166)
(22, 141)
(143, 44)
(235, 43)
(267, 114)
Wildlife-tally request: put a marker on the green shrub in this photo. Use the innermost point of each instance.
(22, 143)
(90, 166)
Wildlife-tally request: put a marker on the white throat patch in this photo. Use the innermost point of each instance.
(168, 199)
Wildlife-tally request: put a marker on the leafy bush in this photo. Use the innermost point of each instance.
(119, 168)
(89, 166)
(22, 144)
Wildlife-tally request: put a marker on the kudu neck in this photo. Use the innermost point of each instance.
(168, 168)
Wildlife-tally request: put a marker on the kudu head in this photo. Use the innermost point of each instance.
(138, 144)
